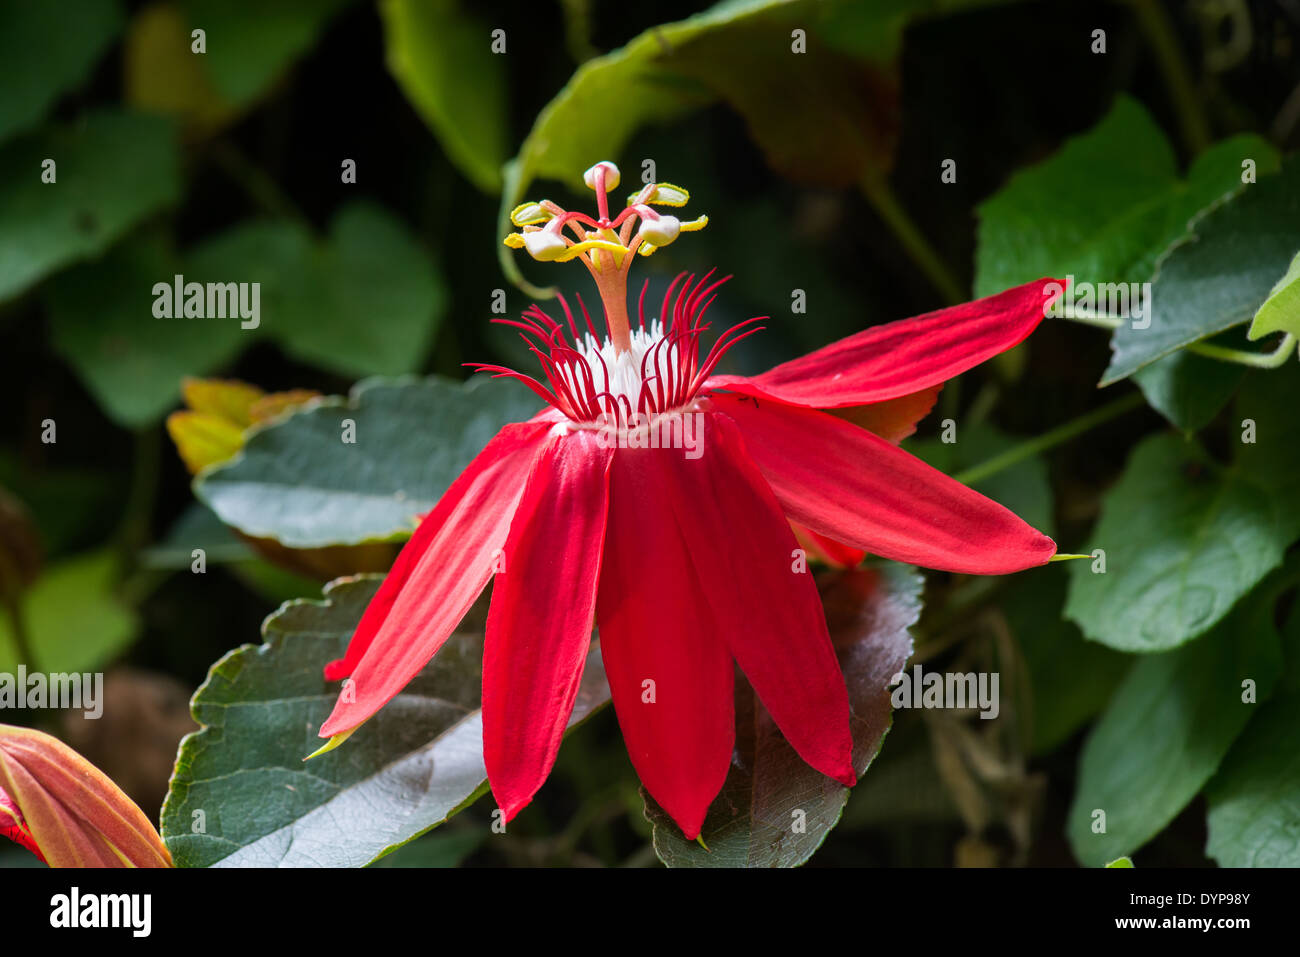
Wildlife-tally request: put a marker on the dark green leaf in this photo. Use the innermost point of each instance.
(410, 767)
(437, 849)
(298, 482)
(103, 325)
(441, 57)
(1104, 207)
(249, 44)
(112, 170)
(47, 48)
(197, 527)
(774, 810)
(1254, 800)
(1183, 539)
(825, 116)
(1165, 732)
(367, 301)
(1219, 275)
(1188, 389)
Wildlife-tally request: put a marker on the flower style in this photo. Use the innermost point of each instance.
(687, 561)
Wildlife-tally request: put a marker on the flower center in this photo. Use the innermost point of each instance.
(606, 246)
(593, 381)
(621, 378)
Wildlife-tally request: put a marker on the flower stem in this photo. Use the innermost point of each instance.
(1154, 23)
(875, 188)
(1057, 436)
(1256, 360)
(1244, 357)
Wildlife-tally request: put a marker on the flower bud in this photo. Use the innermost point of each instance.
(67, 810)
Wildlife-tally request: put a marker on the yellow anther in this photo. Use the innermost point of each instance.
(529, 214)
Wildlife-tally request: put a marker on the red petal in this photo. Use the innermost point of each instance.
(669, 672)
(539, 625)
(827, 549)
(764, 601)
(451, 558)
(904, 357)
(856, 488)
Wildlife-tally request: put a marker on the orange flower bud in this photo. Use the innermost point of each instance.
(67, 811)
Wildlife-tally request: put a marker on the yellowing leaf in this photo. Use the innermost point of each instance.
(203, 439)
(220, 410)
(164, 76)
(228, 399)
(277, 403)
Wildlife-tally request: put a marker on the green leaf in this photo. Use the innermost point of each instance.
(1024, 487)
(102, 324)
(366, 301)
(1281, 310)
(112, 169)
(1268, 442)
(1121, 862)
(442, 59)
(298, 482)
(1103, 209)
(1165, 732)
(47, 49)
(1254, 800)
(1105, 206)
(197, 527)
(249, 44)
(1070, 679)
(774, 810)
(74, 619)
(410, 767)
(739, 52)
(436, 849)
(1187, 389)
(1219, 275)
(1184, 539)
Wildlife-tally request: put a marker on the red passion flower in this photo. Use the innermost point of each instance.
(657, 500)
